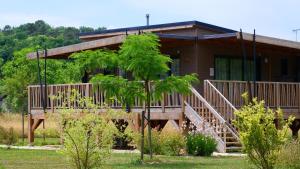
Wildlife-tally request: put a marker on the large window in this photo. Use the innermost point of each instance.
(229, 68)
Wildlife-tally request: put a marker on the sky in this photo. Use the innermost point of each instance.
(275, 18)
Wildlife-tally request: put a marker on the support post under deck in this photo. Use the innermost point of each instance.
(30, 129)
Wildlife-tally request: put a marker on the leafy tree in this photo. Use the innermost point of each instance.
(17, 72)
(260, 138)
(140, 58)
(20, 72)
(140, 55)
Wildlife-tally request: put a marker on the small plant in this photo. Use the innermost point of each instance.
(173, 142)
(200, 145)
(289, 155)
(260, 138)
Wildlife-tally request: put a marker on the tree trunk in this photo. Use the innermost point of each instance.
(148, 118)
(142, 134)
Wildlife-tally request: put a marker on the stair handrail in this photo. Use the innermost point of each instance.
(232, 128)
(215, 113)
(221, 95)
(189, 110)
(194, 91)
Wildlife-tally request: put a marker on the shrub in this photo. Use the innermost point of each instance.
(289, 155)
(47, 132)
(166, 143)
(260, 138)
(172, 142)
(156, 143)
(200, 145)
(88, 140)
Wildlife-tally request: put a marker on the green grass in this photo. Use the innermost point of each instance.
(40, 141)
(31, 159)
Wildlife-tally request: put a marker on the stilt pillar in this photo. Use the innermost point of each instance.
(30, 129)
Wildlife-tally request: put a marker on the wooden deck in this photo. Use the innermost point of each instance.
(212, 113)
(66, 96)
(284, 95)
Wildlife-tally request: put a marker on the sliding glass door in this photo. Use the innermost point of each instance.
(230, 68)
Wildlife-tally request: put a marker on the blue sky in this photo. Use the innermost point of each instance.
(269, 17)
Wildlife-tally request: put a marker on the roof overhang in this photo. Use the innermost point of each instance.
(67, 50)
(270, 40)
(64, 52)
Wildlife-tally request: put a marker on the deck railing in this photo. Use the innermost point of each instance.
(219, 102)
(69, 95)
(275, 94)
(216, 121)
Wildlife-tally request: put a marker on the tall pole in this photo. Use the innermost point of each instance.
(254, 60)
(147, 19)
(45, 89)
(39, 77)
(296, 31)
(245, 68)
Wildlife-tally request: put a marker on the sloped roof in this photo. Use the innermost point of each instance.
(166, 25)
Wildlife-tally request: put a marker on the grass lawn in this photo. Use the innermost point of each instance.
(42, 159)
(39, 141)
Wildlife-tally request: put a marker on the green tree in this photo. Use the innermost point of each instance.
(17, 72)
(139, 57)
(260, 138)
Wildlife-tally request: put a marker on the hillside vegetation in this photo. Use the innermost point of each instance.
(17, 72)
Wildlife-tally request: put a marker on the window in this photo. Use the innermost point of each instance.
(174, 67)
(229, 68)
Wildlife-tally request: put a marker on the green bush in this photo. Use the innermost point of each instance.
(164, 143)
(8, 137)
(289, 155)
(260, 138)
(88, 140)
(47, 132)
(172, 142)
(200, 145)
(156, 144)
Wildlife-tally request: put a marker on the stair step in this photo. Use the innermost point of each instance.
(233, 149)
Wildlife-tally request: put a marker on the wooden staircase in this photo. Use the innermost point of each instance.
(210, 120)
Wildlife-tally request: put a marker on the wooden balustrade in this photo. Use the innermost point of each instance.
(218, 101)
(275, 94)
(216, 122)
(71, 95)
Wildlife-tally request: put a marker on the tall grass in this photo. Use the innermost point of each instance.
(14, 120)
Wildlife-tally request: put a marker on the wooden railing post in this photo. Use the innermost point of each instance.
(51, 99)
(278, 94)
(29, 99)
(163, 103)
(182, 116)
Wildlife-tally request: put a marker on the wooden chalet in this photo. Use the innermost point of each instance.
(223, 59)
